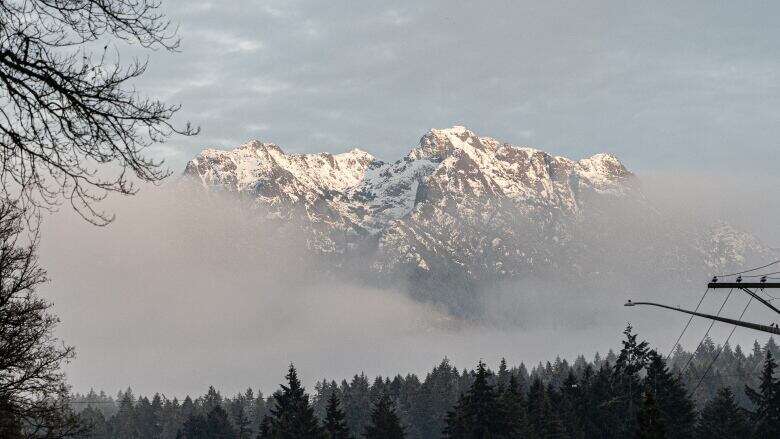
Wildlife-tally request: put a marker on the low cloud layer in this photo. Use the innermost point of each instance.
(183, 291)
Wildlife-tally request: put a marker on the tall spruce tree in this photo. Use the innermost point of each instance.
(384, 422)
(513, 409)
(218, 425)
(193, 428)
(335, 423)
(675, 407)
(571, 406)
(456, 423)
(125, 423)
(439, 393)
(626, 384)
(240, 417)
(766, 416)
(265, 429)
(478, 414)
(552, 426)
(649, 423)
(292, 417)
(721, 418)
(484, 411)
(355, 400)
(536, 397)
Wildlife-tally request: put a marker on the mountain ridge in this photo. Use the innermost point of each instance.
(461, 213)
(371, 193)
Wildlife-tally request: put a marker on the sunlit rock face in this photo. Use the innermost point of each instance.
(461, 214)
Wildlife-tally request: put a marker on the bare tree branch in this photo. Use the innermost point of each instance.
(71, 125)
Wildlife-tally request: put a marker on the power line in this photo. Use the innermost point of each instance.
(748, 271)
(763, 274)
(712, 323)
(690, 319)
(734, 328)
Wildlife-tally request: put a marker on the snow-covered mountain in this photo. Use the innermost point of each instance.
(356, 191)
(461, 211)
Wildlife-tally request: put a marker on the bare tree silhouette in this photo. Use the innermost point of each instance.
(72, 126)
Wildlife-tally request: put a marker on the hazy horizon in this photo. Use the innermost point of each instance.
(177, 295)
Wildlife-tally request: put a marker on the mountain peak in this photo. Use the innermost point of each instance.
(457, 130)
(457, 210)
(450, 165)
(437, 144)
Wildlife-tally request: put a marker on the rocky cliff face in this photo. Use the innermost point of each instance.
(462, 213)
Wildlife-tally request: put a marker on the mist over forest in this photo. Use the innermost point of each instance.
(185, 289)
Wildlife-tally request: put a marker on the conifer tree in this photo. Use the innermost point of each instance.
(211, 399)
(187, 407)
(171, 418)
(671, 397)
(552, 425)
(439, 393)
(513, 409)
(485, 413)
(264, 430)
(766, 416)
(92, 418)
(571, 405)
(456, 423)
(355, 400)
(626, 383)
(537, 398)
(335, 424)
(194, 427)
(125, 421)
(292, 417)
(238, 412)
(259, 410)
(478, 414)
(384, 422)
(649, 423)
(721, 418)
(218, 425)
(502, 377)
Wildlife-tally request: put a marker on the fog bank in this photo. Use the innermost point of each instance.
(182, 292)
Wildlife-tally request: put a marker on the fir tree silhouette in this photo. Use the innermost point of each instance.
(721, 418)
(766, 416)
(478, 414)
(649, 424)
(335, 423)
(384, 421)
(292, 417)
(675, 407)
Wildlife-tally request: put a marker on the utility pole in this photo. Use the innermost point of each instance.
(749, 288)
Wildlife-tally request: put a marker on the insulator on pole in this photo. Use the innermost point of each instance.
(739, 279)
(714, 279)
(763, 279)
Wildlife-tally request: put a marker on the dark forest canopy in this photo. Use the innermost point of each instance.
(621, 394)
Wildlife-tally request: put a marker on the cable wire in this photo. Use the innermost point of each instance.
(748, 271)
(690, 319)
(717, 354)
(712, 323)
(763, 274)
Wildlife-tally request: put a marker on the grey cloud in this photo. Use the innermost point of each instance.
(663, 86)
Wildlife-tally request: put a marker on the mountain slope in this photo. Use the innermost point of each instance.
(461, 214)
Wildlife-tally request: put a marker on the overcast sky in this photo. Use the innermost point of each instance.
(681, 86)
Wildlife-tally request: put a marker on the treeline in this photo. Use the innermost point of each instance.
(632, 393)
